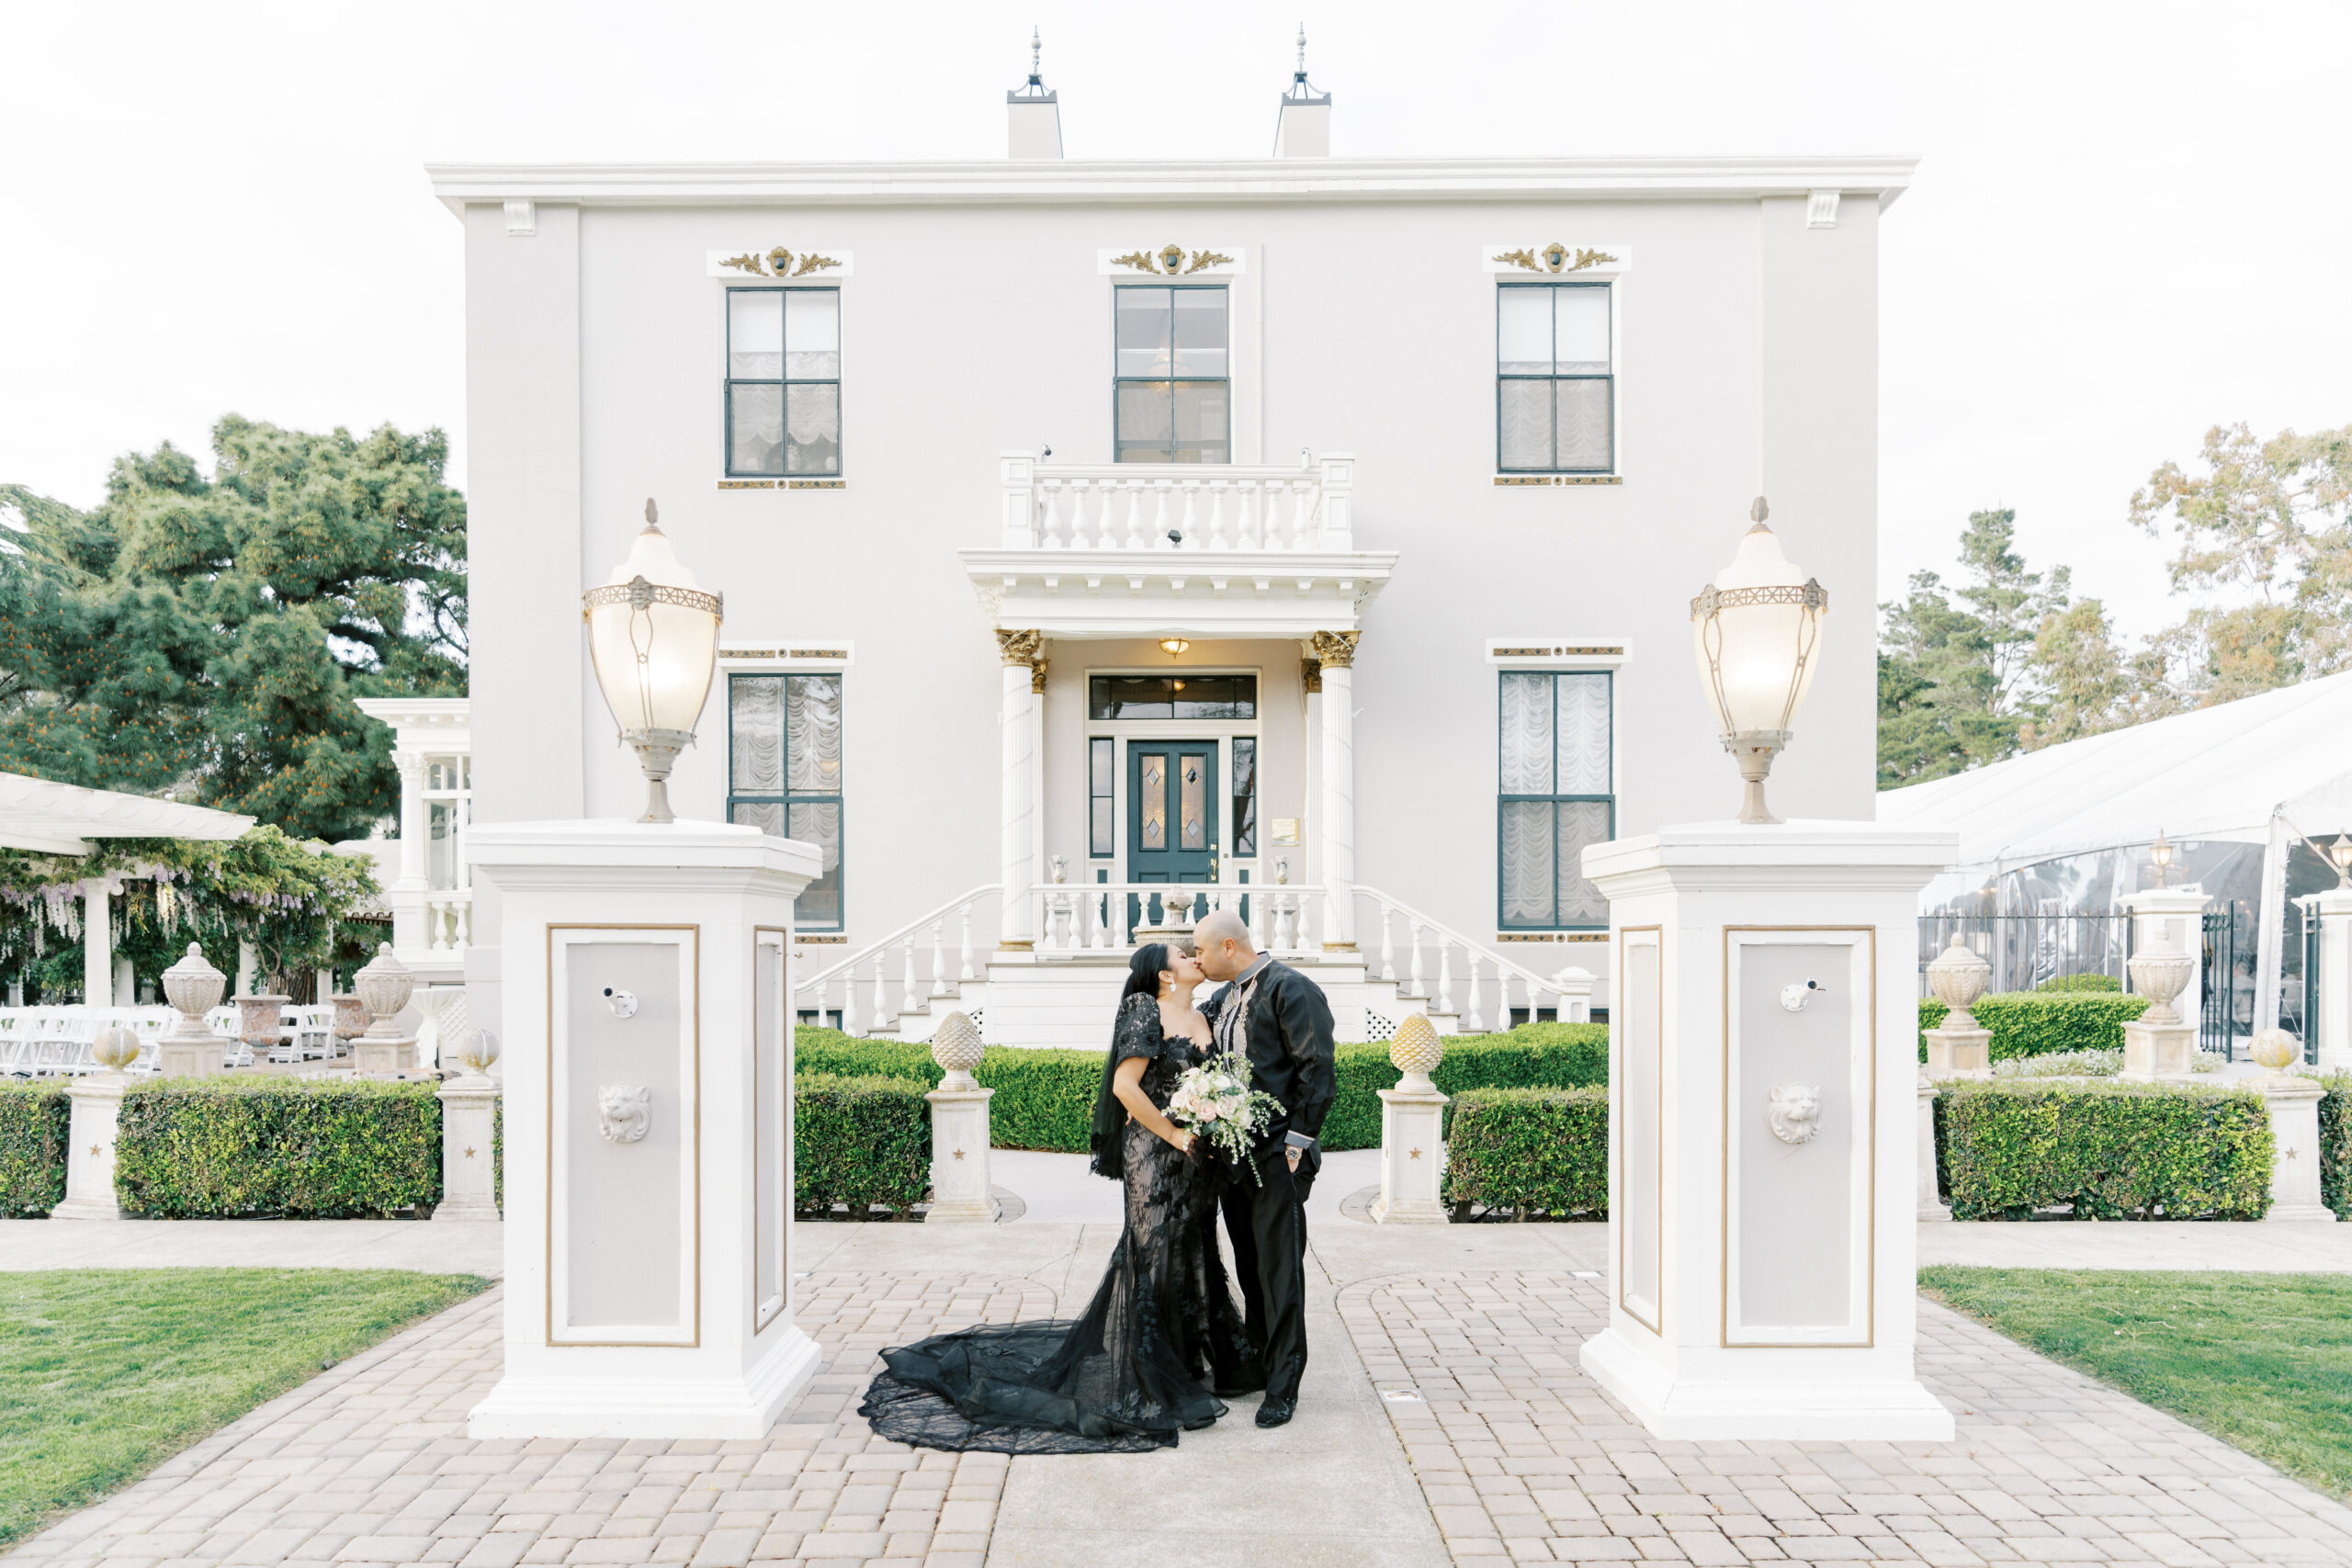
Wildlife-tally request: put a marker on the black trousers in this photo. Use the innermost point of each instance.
(1267, 1221)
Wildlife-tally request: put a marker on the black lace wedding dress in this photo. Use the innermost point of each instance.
(1162, 1338)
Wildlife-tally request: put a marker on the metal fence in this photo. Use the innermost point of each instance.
(2025, 950)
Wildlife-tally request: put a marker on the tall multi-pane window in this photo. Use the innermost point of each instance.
(783, 381)
(1554, 378)
(1171, 393)
(783, 774)
(1244, 814)
(448, 797)
(1102, 789)
(1556, 796)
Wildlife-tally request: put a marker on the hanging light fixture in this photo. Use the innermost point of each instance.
(2161, 852)
(2340, 853)
(1757, 633)
(1172, 645)
(653, 635)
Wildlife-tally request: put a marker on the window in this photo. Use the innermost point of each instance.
(1556, 797)
(448, 809)
(1245, 797)
(1171, 696)
(1172, 388)
(1101, 791)
(783, 381)
(783, 774)
(1554, 378)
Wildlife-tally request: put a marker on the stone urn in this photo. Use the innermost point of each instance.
(350, 1016)
(956, 1047)
(260, 1020)
(2161, 977)
(1957, 978)
(1416, 1051)
(193, 987)
(384, 988)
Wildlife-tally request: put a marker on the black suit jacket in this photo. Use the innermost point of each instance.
(1289, 1041)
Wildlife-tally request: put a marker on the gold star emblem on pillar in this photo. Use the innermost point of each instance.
(959, 1154)
(94, 1149)
(1416, 1154)
(470, 1153)
(2291, 1154)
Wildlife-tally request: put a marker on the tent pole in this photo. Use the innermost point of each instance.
(2270, 924)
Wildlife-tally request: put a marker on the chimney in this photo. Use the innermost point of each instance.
(1303, 128)
(1034, 118)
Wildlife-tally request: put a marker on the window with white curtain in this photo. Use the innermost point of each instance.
(783, 381)
(1555, 381)
(783, 774)
(1557, 794)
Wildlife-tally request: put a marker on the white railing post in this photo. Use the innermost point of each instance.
(1387, 942)
(907, 999)
(1019, 472)
(1413, 987)
(968, 972)
(881, 994)
(1338, 501)
(1475, 1019)
(850, 1018)
(1444, 974)
(938, 958)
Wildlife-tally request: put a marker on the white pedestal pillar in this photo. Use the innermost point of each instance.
(1763, 1155)
(89, 1159)
(1412, 1154)
(468, 1127)
(1337, 651)
(2334, 909)
(2170, 919)
(1020, 835)
(1933, 1210)
(2158, 1053)
(97, 943)
(1959, 1053)
(2294, 1131)
(649, 1181)
(959, 1155)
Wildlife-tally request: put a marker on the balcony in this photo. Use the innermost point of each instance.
(1236, 550)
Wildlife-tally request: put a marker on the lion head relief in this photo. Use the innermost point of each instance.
(1795, 1112)
(624, 1112)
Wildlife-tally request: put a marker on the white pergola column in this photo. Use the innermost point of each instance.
(2270, 928)
(2333, 1024)
(1020, 651)
(1337, 652)
(406, 895)
(97, 943)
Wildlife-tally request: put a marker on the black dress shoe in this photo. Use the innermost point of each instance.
(1276, 1412)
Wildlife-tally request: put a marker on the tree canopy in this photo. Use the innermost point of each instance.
(204, 638)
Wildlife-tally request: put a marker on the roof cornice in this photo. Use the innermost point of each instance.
(1237, 182)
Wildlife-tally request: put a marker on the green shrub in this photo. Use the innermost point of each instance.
(1045, 1099)
(1529, 1150)
(2035, 1023)
(859, 1141)
(221, 1148)
(2060, 983)
(2336, 1144)
(2106, 1150)
(35, 1120)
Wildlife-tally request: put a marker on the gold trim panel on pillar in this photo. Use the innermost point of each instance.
(1336, 653)
(770, 1169)
(1639, 1132)
(1022, 652)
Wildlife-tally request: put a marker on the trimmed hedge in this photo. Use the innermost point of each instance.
(35, 1119)
(2034, 1023)
(2109, 1151)
(1045, 1099)
(1530, 1151)
(2336, 1144)
(2062, 983)
(864, 1142)
(224, 1148)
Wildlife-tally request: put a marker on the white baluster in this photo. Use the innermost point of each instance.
(1475, 1019)
(938, 958)
(1159, 519)
(1387, 944)
(968, 972)
(908, 1000)
(1082, 496)
(881, 991)
(1217, 488)
(1444, 974)
(1413, 987)
(1257, 922)
(850, 1018)
(1139, 526)
(1188, 522)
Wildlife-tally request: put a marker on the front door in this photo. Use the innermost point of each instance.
(1171, 815)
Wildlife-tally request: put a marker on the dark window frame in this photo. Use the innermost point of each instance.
(781, 379)
(1610, 376)
(789, 797)
(1105, 846)
(1503, 800)
(1171, 380)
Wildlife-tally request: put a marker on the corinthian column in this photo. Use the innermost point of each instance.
(1022, 654)
(1337, 652)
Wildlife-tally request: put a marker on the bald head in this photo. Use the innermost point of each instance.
(1222, 942)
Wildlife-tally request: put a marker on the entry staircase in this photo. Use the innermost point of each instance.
(1059, 990)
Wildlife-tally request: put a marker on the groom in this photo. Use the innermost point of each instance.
(1278, 1018)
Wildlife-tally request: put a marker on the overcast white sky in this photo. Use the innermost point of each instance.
(2131, 222)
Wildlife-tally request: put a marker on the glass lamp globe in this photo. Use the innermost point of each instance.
(653, 635)
(2339, 855)
(1757, 635)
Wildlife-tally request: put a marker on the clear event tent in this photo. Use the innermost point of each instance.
(48, 817)
(2247, 792)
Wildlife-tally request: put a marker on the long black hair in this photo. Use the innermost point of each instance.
(1109, 1137)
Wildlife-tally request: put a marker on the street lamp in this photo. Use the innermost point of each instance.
(1757, 632)
(2340, 852)
(2161, 852)
(653, 635)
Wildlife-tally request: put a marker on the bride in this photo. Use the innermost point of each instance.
(1163, 1335)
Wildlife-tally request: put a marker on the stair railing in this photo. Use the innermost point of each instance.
(925, 935)
(1571, 986)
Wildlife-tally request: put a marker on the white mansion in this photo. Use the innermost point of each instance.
(1311, 533)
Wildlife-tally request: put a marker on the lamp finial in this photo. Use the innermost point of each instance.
(1036, 49)
(652, 518)
(1302, 51)
(1758, 512)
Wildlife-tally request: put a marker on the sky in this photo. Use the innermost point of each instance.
(2128, 224)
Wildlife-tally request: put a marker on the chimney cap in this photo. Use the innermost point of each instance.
(1035, 91)
(1300, 92)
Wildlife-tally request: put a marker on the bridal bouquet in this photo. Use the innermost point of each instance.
(1214, 1102)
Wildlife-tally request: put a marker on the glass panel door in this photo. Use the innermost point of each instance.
(1172, 835)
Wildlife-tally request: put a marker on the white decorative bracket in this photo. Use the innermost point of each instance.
(1821, 210)
(522, 218)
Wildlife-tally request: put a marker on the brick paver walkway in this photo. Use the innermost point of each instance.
(369, 1463)
(1522, 1456)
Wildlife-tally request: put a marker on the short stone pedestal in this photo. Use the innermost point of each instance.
(1933, 1210)
(469, 1148)
(1412, 1130)
(648, 1189)
(2294, 1131)
(90, 1161)
(1764, 1159)
(959, 1128)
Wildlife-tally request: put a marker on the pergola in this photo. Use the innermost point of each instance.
(48, 817)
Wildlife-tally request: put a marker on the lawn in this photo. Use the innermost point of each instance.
(2262, 1361)
(106, 1373)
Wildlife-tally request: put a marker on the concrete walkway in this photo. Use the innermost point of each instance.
(430, 1246)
